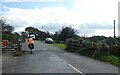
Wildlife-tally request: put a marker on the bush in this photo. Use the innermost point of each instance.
(107, 50)
(115, 50)
(87, 49)
(100, 51)
(98, 54)
(12, 38)
(110, 41)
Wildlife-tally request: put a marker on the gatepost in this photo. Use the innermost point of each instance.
(19, 51)
(19, 45)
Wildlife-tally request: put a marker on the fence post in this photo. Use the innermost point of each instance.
(72, 45)
(19, 45)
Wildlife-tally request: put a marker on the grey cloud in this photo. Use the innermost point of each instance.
(52, 27)
(96, 26)
(86, 31)
(83, 29)
(92, 28)
(16, 24)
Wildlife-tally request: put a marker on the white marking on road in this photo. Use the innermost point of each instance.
(75, 68)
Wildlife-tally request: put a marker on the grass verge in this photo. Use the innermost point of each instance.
(111, 59)
(60, 45)
(18, 53)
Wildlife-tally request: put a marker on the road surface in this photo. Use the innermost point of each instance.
(50, 59)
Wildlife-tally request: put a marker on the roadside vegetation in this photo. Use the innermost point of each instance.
(8, 34)
(60, 45)
(102, 48)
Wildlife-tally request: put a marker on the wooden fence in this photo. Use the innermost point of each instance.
(72, 45)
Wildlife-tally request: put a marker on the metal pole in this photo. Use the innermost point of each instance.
(114, 28)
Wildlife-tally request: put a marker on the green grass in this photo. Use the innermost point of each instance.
(112, 59)
(103, 57)
(18, 53)
(62, 46)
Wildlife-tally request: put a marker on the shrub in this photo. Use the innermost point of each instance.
(87, 48)
(107, 50)
(115, 50)
(100, 51)
(12, 38)
(110, 41)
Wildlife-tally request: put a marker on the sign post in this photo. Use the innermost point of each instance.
(114, 28)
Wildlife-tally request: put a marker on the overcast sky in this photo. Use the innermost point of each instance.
(89, 17)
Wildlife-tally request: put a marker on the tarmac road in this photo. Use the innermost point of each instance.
(50, 59)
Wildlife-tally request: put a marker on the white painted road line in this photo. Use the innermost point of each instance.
(75, 69)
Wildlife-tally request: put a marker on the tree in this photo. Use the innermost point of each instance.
(56, 36)
(24, 34)
(16, 33)
(32, 30)
(1, 23)
(7, 28)
(38, 33)
(67, 32)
